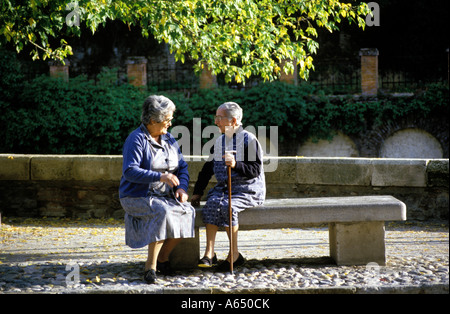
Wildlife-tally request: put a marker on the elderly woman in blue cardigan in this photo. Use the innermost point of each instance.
(153, 188)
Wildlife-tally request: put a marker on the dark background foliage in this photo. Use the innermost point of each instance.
(50, 116)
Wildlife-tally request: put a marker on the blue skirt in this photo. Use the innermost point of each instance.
(152, 219)
(216, 212)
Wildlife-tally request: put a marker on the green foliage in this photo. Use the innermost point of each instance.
(279, 104)
(51, 116)
(10, 78)
(234, 37)
(353, 116)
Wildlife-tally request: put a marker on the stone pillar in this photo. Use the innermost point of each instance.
(171, 65)
(369, 71)
(288, 78)
(137, 71)
(357, 243)
(59, 70)
(207, 78)
(187, 253)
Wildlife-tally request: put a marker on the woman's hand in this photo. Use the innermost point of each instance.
(170, 179)
(181, 195)
(195, 200)
(229, 160)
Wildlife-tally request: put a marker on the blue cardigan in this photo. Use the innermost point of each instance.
(137, 160)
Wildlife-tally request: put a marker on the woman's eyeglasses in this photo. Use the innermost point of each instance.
(220, 118)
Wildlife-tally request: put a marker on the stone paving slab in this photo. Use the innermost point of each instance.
(44, 255)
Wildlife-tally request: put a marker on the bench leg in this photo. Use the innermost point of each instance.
(187, 253)
(357, 243)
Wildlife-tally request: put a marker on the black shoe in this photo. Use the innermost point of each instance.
(164, 268)
(207, 262)
(150, 276)
(225, 265)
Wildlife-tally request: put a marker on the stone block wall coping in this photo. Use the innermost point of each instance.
(374, 172)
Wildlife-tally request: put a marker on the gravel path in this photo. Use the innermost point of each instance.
(70, 256)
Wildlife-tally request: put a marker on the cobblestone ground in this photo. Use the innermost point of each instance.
(79, 256)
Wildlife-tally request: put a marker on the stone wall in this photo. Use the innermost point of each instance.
(84, 186)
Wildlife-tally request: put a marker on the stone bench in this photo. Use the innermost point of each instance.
(356, 225)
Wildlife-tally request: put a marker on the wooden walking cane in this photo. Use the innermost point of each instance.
(230, 213)
(231, 219)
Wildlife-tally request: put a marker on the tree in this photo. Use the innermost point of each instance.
(236, 37)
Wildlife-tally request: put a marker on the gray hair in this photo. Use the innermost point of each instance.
(156, 108)
(233, 111)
